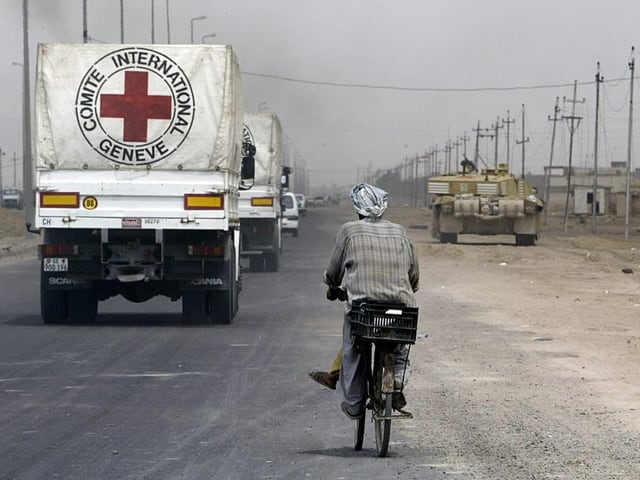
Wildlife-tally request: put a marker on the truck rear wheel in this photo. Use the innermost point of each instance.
(272, 261)
(195, 306)
(54, 305)
(256, 263)
(223, 307)
(83, 306)
(224, 304)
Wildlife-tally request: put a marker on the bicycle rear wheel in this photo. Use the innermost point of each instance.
(360, 423)
(382, 403)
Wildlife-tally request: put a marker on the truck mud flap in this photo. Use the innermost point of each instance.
(216, 277)
(60, 281)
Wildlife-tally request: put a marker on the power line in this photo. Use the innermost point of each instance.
(421, 89)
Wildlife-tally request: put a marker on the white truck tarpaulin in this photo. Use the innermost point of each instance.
(263, 130)
(164, 107)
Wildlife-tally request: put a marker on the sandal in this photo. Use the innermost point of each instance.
(325, 379)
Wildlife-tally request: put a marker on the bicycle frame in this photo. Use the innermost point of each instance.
(380, 376)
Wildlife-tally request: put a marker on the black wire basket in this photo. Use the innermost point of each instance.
(384, 321)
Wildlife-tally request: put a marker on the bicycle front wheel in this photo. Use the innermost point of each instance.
(359, 432)
(382, 404)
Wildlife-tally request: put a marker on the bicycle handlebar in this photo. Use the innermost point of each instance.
(336, 293)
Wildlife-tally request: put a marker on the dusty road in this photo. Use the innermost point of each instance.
(531, 367)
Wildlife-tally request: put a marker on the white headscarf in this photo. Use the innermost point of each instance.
(368, 200)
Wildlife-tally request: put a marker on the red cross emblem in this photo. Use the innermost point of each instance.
(136, 106)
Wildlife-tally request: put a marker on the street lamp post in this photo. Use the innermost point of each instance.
(153, 22)
(121, 21)
(27, 176)
(210, 35)
(168, 24)
(202, 17)
(18, 64)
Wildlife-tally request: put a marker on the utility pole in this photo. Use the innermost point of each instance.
(627, 212)
(415, 183)
(573, 122)
(85, 31)
(523, 141)
(594, 205)
(555, 119)
(464, 139)
(15, 166)
(404, 179)
(478, 136)
(447, 151)
(476, 153)
(496, 127)
(508, 122)
(432, 161)
(1, 155)
(435, 161)
(409, 169)
(425, 159)
(457, 145)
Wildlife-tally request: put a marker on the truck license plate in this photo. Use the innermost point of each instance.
(56, 265)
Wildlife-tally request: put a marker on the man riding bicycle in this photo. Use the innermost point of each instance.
(372, 259)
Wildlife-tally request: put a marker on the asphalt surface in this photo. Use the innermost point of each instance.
(140, 395)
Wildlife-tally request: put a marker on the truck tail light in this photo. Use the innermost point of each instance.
(59, 200)
(206, 250)
(203, 201)
(262, 202)
(58, 250)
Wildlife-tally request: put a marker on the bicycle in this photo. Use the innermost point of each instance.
(381, 327)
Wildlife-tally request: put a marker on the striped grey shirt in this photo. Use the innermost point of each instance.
(373, 258)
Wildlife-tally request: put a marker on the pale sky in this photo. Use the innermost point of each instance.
(367, 83)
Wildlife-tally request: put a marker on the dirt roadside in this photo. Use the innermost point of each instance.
(15, 241)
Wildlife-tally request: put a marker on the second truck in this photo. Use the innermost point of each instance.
(260, 210)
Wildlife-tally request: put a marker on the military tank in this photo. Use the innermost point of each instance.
(490, 202)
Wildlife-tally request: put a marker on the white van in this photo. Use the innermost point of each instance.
(290, 213)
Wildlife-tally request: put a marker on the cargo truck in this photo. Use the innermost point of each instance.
(260, 210)
(138, 168)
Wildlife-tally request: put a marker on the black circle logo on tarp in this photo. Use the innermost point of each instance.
(248, 143)
(135, 106)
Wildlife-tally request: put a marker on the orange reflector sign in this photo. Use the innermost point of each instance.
(58, 250)
(206, 250)
(262, 202)
(203, 201)
(59, 200)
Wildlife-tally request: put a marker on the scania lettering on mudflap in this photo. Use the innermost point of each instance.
(207, 281)
(65, 281)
